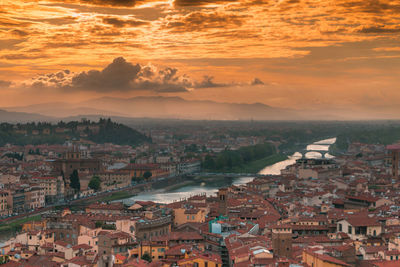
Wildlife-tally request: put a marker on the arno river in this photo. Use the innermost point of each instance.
(212, 187)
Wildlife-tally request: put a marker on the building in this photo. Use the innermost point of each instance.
(282, 240)
(119, 178)
(35, 197)
(153, 226)
(189, 166)
(113, 243)
(53, 188)
(5, 205)
(394, 151)
(72, 161)
(360, 227)
(321, 260)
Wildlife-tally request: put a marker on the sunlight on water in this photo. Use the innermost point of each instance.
(329, 141)
(274, 169)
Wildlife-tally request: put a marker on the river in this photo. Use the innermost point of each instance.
(161, 196)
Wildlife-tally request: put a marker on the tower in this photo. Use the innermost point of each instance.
(282, 240)
(394, 156)
(222, 201)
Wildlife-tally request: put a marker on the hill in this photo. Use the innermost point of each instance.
(103, 131)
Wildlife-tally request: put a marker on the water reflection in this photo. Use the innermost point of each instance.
(275, 169)
(211, 188)
(313, 155)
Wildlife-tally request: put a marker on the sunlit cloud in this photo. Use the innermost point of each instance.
(274, 47)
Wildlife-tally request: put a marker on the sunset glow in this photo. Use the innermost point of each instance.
(339, 56)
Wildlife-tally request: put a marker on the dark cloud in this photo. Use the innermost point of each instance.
(119, 23)
(372, 6)
(208, 82)
(120, 75)
(200, 21)
(19, 32)
(201, 2)
(108, 3)
(257, 81)
(4, 84)
(379, 30)
(10, 44)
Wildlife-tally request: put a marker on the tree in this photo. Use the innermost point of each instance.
(146, 257)
(137, 179)
(208, 162)
(95, 183)
(147, 175)
(74, 181)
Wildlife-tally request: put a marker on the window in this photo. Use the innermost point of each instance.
(374, 232)
(350, 229)
(340, 227)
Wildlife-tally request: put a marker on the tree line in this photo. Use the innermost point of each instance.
(228, 159)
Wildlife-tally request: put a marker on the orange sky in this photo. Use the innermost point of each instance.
(333, 54)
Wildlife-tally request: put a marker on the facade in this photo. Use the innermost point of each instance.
(35, 197)
(189, 166)
(360, 228)
(322, 260)
(394, 151)
(5, 205)
(148, 228)
(282, 240)
(72, 161)
(118, 178)
(53, 188)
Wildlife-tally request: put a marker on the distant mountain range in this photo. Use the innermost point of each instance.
(150, 107)
(155, 107)
(22, 117)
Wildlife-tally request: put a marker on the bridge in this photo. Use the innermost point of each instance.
(322, 152)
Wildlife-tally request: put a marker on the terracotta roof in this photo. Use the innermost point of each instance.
(362, 221)
(327, 258)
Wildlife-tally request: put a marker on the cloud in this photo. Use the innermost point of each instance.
(257, 81)
(20, 33)
(208, 82)
(120, 75)
(108, 3)
(4, 84)
(120, 23)
(379, 30)
(200, 2)
(200, 21)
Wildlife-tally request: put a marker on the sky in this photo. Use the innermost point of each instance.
(337, 55)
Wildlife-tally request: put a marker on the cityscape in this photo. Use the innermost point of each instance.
(199, 133)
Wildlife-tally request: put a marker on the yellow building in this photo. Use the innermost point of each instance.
(5, 205)
(156, 250)
(201, 260)
(34, 226)
(321, 260)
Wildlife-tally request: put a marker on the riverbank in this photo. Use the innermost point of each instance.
(257, 165)
(16, 225)
(254, 166)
